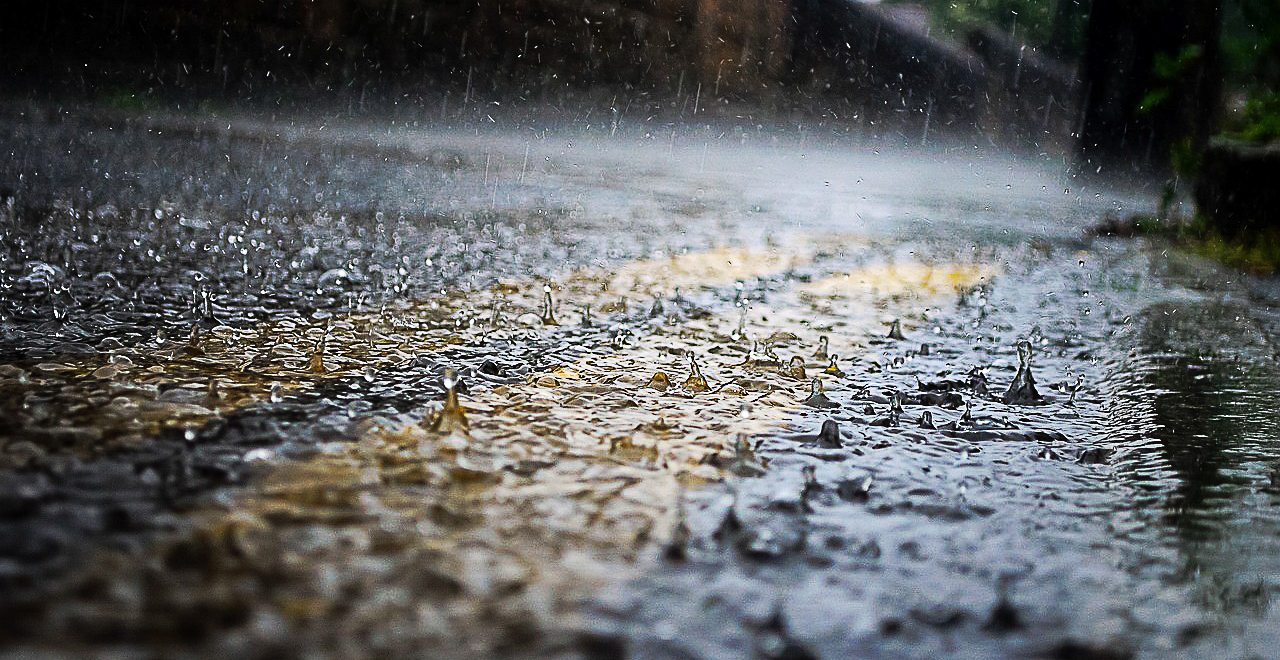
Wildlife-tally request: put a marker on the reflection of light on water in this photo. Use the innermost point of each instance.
(554, 486)
(914, 278)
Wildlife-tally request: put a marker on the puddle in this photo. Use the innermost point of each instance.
(721, 432)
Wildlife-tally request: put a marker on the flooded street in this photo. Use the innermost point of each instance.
(325, 389)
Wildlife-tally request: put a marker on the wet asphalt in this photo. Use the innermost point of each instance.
(1125, 505)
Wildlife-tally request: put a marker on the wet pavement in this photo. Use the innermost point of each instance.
(725, 392)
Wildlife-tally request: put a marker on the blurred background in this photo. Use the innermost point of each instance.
(1114, 82)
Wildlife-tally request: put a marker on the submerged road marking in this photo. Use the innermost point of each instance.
(471, 541)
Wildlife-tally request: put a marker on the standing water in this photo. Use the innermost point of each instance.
(326, 404)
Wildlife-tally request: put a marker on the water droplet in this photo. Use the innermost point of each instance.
(316, 364)
(621, 338)
(817, 397)
(659, 382)
(450, 418)
(895, 330)
(829, 435)
(548, 307)
(677, 545)
(745, 463)
(695, 382)
(821, 353)
(1079, 384)
(740, 333)
(810, 487)
(1023, 388)
(192, 348)
(795, 368)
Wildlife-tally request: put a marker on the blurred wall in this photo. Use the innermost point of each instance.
(736, 44)
(873, 67)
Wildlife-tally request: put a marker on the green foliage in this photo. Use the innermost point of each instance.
(1251, 62)
(1259, 121)
(1169, 72)
(1259, 253)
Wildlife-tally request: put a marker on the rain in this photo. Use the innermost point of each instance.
(639, 329)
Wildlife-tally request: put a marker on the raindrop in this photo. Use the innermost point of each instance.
(745, 463)
(450, 418)
(810, 474)
(795, 368)
(829, 435)
(316, 364)
(677, 545)
(695, 382)
(817, 397)
(548, 307)
(895, 330)
(821, 353)
(192, 348)
(1023, 387)
(1079, 384)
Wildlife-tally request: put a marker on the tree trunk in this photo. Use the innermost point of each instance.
(1136, 109)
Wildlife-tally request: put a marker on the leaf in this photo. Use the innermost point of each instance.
(1153, 99)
